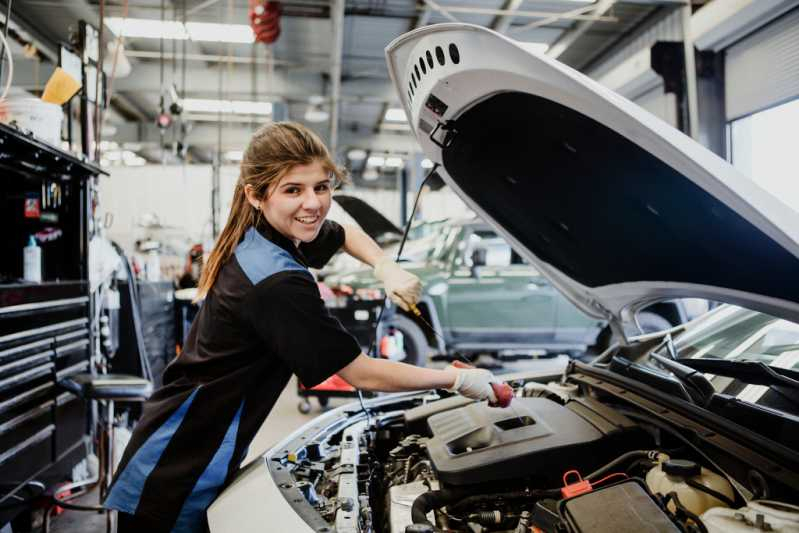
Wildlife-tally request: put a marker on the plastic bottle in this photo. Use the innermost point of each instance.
(32, 261)
(671, 475)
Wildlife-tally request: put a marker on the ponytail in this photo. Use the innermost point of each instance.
(242, 216)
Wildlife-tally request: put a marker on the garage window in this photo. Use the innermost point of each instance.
(763, 147)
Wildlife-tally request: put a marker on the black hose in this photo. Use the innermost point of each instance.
(434, 499)
(635, 454)
(707, 490)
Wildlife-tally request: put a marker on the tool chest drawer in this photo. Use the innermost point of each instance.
(44, 336)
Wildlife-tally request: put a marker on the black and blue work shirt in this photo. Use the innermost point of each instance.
(262, 321)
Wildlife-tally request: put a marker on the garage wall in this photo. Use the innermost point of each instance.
(762, 70)
(177, 196)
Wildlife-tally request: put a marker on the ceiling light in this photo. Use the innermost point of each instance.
(375, 161)
(370, 174)
(394, 162)
(234, 155)
(146, 28)
(356, 154)
(221, 33)
(394, 114)
(314, 114)
(536, 48)
(426, 163)
(240, 107)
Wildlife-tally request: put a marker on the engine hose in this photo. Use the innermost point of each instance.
(475, 500)
(434, 499)
(629, 456)
(457, 498)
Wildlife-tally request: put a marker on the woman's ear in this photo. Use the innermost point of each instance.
(254, 201)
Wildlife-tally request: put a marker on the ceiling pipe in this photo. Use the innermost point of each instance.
(337, 55)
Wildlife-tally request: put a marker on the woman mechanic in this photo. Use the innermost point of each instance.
(262, 320)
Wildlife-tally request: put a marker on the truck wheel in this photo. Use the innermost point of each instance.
(652, 323)
(414, 340)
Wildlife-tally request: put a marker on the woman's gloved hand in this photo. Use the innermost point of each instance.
(480, 384)
(401, 286)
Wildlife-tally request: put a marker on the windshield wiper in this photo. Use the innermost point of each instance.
(783, 380)
(696, 384)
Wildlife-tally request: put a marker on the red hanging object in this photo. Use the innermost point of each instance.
(265, 20)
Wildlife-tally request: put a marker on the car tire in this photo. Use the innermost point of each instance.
(414, 340)
(652, 323)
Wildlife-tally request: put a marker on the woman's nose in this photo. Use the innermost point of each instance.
(310, 200)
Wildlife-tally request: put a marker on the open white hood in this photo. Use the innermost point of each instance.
(614, 206)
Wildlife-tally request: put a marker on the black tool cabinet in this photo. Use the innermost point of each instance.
(45, 328)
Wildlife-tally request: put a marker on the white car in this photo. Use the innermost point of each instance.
(618, 210)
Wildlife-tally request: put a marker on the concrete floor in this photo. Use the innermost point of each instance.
(284, 419)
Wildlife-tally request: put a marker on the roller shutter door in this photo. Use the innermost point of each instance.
(762, 70)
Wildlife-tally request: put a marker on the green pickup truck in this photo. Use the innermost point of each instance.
(480, 297)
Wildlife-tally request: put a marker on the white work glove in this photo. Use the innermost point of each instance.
(474, 383)
(401, 286)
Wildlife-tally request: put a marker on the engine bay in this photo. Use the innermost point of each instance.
(561, 458)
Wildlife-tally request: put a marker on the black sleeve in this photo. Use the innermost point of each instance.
(290, 317)
(319, 251)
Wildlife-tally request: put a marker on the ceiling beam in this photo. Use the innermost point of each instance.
(570, 37)
(503, 22)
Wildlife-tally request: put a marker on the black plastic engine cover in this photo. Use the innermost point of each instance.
(478, 443)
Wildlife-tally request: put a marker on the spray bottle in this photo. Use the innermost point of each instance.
(32, 261)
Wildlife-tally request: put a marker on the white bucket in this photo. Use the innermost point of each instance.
(41, 118)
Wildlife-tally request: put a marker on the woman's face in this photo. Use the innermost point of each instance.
(297, 205)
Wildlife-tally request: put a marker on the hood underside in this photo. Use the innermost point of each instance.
(617, 208)
(370, 219)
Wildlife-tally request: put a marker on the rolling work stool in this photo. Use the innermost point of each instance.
(104, 389)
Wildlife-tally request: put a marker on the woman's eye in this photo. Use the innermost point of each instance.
(323, 187)
(292, 190)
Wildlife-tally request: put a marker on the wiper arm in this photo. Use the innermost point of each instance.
(697, 385)
(783, 380)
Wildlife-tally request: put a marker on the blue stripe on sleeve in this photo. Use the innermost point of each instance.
(192, 516)
(127, 489)
(259, 257)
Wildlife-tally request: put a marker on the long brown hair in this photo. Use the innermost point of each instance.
(273, 151)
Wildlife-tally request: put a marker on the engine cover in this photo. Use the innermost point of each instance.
(478, 443)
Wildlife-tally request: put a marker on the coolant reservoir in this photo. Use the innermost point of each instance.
(756, 517)
(671, 475)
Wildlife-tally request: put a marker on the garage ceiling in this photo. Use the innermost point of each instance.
(295, 72)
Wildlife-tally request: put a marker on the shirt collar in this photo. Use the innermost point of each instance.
(271, 234)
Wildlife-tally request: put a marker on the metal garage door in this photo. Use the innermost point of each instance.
(763, 69)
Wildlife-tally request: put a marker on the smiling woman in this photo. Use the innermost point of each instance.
(262, 320)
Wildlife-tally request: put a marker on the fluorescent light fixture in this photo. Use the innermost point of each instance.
(315, 115)
(221, 33)
(394, 114)
(394, 162)
(375, 161)
(147, 28)
(426, 163)
(536, 48)
(234, 155)
(239, 107)
(356, 154)
(172, 29)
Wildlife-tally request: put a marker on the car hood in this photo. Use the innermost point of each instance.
(614, 206)
(370, 219)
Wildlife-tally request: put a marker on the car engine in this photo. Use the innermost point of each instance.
(554, 461)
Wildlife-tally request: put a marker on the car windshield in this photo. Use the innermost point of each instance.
(743, 335)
